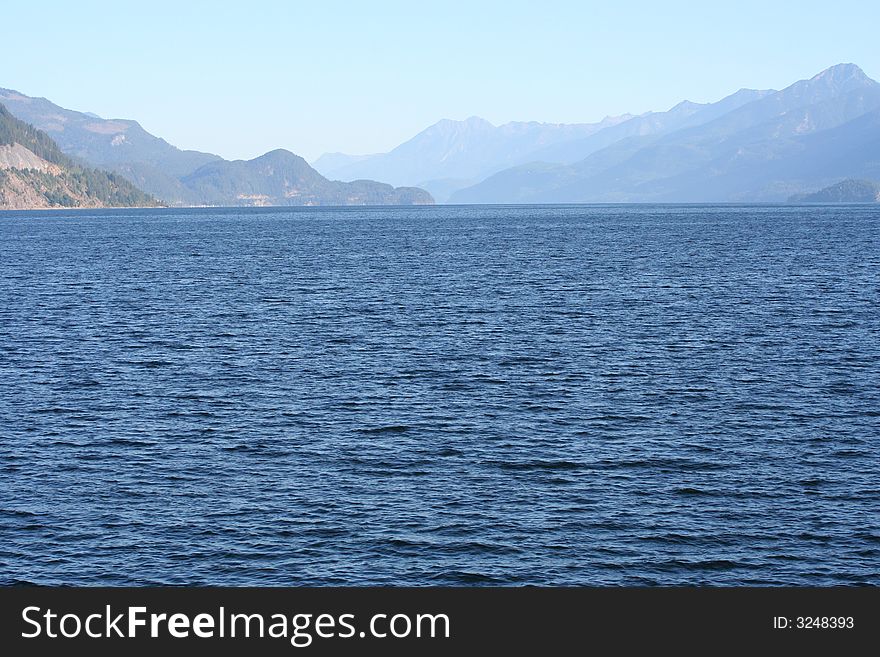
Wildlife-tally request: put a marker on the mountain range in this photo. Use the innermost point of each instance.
(754, 145)
(450, 155)
(34, 173)
(751, 146)
(181, 177)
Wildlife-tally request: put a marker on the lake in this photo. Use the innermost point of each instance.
(561, 395)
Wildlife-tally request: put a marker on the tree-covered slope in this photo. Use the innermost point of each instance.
(282, 178)
(34, 173)
(117, 145)
(179, 177)
(846, 191)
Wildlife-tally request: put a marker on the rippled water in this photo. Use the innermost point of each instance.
(446, 395)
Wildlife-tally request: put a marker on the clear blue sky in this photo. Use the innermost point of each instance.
(241, 78)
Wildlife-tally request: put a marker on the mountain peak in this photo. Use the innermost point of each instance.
(840, 73)
(828, 84)
(279, 153)
(470, 123)
(477, 121)
(686, 106)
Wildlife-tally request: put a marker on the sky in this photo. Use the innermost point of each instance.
(241, 78)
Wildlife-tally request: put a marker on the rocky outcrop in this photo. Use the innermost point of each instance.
(16, 156)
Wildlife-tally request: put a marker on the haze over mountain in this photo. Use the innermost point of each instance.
(181, 177)
(753, 145)
(809, 135)
(683, 115)
(34, 173)
(450, 155)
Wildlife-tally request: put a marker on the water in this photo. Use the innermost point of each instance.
(441, 396)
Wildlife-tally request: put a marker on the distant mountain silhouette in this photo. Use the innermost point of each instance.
(453, 154)
(810, 134)
(685, 114)
(750, 146)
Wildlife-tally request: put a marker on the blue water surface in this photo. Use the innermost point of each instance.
(609, 395)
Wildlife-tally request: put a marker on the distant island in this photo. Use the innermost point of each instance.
(846, 191)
